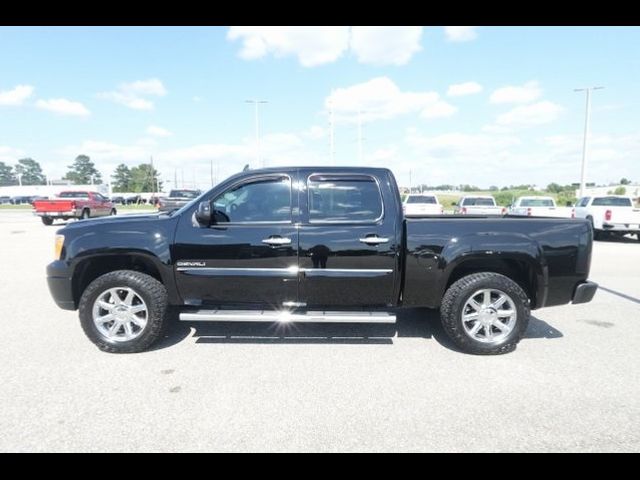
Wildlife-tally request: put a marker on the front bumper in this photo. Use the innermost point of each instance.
(60, 285)
(584, 292)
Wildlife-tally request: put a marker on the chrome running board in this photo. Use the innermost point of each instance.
(286, 316)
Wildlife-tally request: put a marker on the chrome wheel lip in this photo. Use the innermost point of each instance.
(489, 316)
(120, 314)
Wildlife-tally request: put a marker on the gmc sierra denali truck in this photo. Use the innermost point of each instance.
(323, 244)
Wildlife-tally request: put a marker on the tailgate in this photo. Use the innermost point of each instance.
(53, 205)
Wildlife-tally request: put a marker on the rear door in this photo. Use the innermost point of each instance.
(349, 244)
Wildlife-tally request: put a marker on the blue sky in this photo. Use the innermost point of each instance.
(480, 105)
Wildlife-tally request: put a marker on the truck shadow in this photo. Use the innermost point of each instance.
(617, 239)
(411, 323)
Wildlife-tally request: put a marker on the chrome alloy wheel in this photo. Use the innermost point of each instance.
(489, 316)
(120, 314)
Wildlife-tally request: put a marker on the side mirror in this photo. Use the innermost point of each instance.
(203, 214)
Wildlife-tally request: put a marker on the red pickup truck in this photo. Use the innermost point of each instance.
(73, 204)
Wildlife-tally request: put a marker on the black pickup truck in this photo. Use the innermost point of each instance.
(324, 244)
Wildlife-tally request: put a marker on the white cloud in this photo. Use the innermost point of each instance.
(15, 96)
(439, 109)
(378, 98)
(526, 93)
(62, 106)
(533, 114)
(314, 132)
(466, 88)
(312, 45)
(9, 154)
(385, 45)
(157, 131)
(132, 95)
(460, 34)
(315, 46)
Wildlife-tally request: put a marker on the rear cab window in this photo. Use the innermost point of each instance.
(478, 202)
(429, 199)
(611, 202)
(536, 202)
(344, 198)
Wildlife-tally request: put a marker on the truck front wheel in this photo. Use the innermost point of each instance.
(123, 311)
(485, 313)
(47, 220)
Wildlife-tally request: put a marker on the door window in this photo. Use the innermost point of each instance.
(344, 199)
(259, 201)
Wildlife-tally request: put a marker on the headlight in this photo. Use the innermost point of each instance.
(58, 246)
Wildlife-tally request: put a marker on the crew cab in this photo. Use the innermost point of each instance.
(538, 206)
(73, 204)
(417, 204)
(479, 205)
(610, 214)
(323, 244)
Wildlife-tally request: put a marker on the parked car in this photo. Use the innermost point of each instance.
(73, 204)
(537, 206)
(610, 214)
(133, 199)
(418, 204)
(479, 205)
(118, 199)
(5, 200)
(20, 200)
(316, 244)
(177, 199)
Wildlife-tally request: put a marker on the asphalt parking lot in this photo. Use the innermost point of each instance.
(573, 384)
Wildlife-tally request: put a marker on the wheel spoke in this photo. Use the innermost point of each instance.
(475, 328)
(470, 316)
(488, 333)
(141, 322)
(503, 327)
(129, 298)
(105, 318)
(475, 305)
(498, 303)
(127, 329)
(115, 296)
(138, 308)
(105, 305)
(115, 328)
(486, 298)
(504, 313)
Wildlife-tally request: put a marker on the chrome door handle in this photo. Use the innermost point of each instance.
(276, 241)
(374, 240)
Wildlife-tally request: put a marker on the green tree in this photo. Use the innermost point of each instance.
(7, 177)
(82, 170)
(625, 181)
(122, 179)
(145, 178)
(554, 188)
(620, 191)
(30, 172)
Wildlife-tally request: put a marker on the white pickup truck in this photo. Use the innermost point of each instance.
(539, 207)
(479, 205)
(416, 204)
(612, 214)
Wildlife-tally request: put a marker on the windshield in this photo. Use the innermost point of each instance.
(536, 202)
(421, 199)
(184, 193)
(612, 202)
(479, 202)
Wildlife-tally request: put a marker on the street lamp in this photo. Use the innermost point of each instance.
(586, 134)
(257, 122)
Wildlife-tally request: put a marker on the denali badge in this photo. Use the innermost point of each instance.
(191, 264)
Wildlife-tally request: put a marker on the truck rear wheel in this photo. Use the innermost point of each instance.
(47, 220)
(85, 214)
(124, 311)
(485, 313)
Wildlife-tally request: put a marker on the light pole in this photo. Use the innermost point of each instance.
(587, 116)
(257, 122)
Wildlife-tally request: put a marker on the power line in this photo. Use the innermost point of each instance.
(585, 140)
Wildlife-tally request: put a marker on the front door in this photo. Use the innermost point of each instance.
(249, 256)
(348, 245)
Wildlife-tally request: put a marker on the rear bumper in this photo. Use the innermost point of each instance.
(621, 227)
(69, 213)
(60, 286)
(584, 292)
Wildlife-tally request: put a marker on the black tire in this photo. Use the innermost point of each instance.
(47, 221)
(113, 212)
(148, 288)
(460, 292)
(85, 214)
